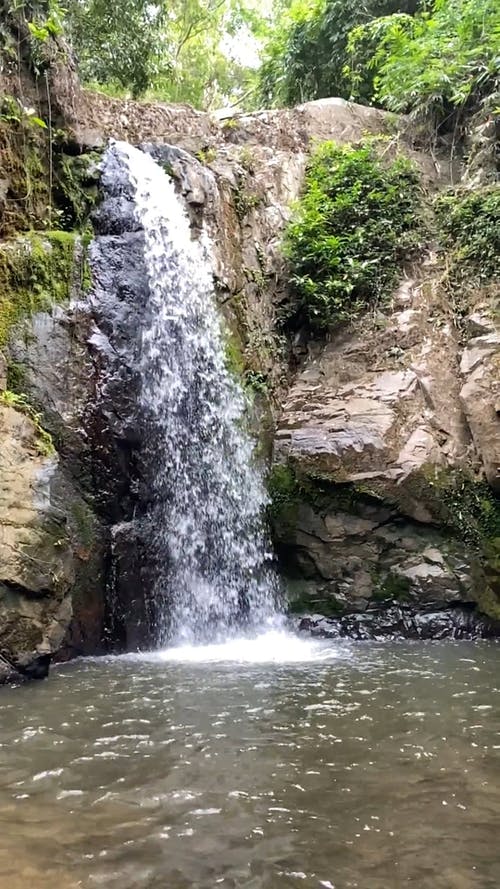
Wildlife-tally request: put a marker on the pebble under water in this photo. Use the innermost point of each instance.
(316, 765)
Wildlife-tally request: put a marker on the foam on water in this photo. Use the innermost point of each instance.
(273, 646)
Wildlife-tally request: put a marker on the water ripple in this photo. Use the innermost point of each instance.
(358, 765)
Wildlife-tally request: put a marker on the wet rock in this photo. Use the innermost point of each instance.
(398, 622)
(54, 367)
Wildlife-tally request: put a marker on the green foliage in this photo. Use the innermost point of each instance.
(365, 52)
(36, 271)
(42, 28)
(43, 439)
(306, 54)
(44, 22)
(469, 226)
(353, 228)
(181, 51)
(245, 200)
(206, 156)
(117, 43)
(256, 381)
(392, 587)
(439, 66)
(284, 489)
(24, 158)
(76, 188)
(13, 112)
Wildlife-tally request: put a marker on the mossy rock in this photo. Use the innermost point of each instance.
(463, 508)
(44, 441)
(288, 488)
(392, 588)
(36, 271)
(42, 186)
(488, 599)
(24, 168)
(83, 522)
(76, 188)
(235, 362)
(285, 491)
(305, 599)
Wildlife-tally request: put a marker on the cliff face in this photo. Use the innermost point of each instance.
(389, 433)
(383, 436)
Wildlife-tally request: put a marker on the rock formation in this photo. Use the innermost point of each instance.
(384, 435)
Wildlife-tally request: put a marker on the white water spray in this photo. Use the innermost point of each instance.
(207, 499)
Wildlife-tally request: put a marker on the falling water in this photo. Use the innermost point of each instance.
(205, 518)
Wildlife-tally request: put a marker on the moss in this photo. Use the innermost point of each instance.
(252, 381)
(393, 587)
(85, 266)
(168, 169)
(286, 492)
(234, 355)
(36, 271)
(16, 377)
(84, 522)
(24, 166)
(76, 188)
(307, 601)
(489, 603)
(287, 489)
(466, 505)
(44, 442)
(488, 599)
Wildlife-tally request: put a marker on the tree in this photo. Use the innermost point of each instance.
(440, 66)
(306, 55)
(179, 50)
(118, 43)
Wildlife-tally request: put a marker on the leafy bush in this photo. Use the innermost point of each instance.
(438, 65)
(469, 224)
(353, 228)
(306, 53)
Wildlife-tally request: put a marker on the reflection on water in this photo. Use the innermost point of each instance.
(370, 766)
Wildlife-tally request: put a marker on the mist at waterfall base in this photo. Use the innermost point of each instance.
(215, 592)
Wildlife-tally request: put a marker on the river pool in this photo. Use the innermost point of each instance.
(300, 765)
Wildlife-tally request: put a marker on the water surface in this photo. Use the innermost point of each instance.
(353, 765)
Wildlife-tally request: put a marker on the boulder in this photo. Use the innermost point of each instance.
(385, 428)
(36, 567)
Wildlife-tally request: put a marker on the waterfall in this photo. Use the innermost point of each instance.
(204, 524)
